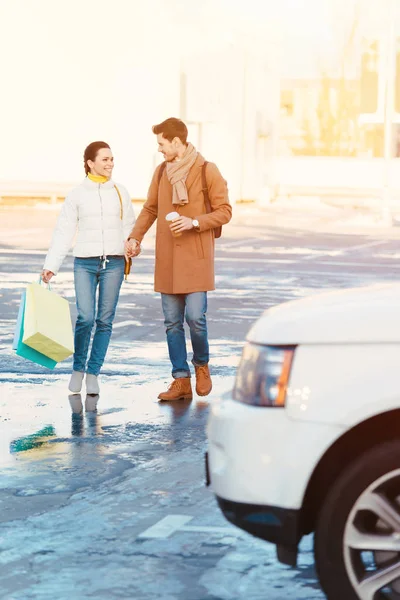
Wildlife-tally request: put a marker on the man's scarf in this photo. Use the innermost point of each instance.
(177, 172)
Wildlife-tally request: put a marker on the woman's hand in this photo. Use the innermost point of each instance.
(132, 248)
(47, 275)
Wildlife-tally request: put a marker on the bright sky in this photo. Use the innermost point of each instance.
(78, 70)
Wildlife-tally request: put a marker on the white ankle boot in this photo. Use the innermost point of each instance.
(92, 385)
(75, 383)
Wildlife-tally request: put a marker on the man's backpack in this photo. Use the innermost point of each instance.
(217, 230)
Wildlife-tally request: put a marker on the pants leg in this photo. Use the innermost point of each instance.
(174, 314)
(196, 309)
(85, 279)
(110, 280)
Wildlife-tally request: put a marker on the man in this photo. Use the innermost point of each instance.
(184, 270)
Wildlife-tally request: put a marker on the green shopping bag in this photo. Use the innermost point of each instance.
(22, 349)
(48, 327)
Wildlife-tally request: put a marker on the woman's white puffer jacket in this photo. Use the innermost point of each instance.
(95, 211)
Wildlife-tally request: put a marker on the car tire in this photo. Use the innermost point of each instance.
(351, 504)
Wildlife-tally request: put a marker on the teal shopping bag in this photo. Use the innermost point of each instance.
(22, 349)
(17, 332)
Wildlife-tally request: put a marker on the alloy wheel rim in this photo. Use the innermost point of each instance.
(371, 541)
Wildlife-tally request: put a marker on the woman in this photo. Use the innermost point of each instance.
(102, 213)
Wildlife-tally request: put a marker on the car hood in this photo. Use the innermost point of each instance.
(358, 315)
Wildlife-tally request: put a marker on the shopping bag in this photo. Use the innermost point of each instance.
(47, 323)
(22, 349)
(18, 326)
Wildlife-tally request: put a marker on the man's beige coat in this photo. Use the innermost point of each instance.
(185, 264)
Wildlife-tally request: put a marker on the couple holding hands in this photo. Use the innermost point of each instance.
(100, 213)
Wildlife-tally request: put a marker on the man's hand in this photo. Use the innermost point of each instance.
(47, 275)
(132, 248)
(181, 224)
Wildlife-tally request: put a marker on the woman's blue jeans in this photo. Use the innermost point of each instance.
(88, 275)
(174, 307)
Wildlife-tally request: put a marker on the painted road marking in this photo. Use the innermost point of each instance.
(242, 242)
(126, 323)
(173, 523)
(297, 263)
(232, 531)
(345, 250)
(166, 527)
(365, 245)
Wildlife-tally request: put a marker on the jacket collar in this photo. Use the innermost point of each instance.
(92, 185)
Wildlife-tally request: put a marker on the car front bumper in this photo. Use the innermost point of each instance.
(260, 456)
(280, 526)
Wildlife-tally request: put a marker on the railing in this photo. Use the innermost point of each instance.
(12, 192)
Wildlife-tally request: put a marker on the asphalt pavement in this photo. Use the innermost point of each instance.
(110, 502)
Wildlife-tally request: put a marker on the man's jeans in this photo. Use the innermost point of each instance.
(88, 274)
(174, 307)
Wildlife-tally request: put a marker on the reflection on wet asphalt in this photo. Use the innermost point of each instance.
(44, 454)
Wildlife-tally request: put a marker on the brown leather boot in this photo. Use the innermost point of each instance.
(180, 389)
(203, 380)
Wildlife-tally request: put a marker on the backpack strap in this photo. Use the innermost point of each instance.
(217, 230)
(161, 171)
(121, 206)
(204, 188)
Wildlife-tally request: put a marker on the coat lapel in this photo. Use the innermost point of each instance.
(194, 172)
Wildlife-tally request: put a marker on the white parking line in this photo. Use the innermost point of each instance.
(173, 523)
(297, 263)
(241, 242)
(18, 251)
(126, 323)
(166, 527)
(343, 251)
(366, 245)
(232, 531)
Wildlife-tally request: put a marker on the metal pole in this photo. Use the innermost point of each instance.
(389, 112)
(183, 96)
(243, 132)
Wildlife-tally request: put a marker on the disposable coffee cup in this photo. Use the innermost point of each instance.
(171, 217)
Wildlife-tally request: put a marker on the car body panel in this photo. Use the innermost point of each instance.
(262, 456)
(359, 315)
(343, 384)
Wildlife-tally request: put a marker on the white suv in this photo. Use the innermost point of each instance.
(309, 439)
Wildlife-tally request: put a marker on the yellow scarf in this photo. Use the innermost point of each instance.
(97, 178)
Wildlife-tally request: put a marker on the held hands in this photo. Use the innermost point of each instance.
(47, 275)
(181, 224)
(132, 248)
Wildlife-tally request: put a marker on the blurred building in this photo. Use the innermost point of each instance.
(285, 115)
(286, 97)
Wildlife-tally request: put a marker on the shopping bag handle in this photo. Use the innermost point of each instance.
(47, 284)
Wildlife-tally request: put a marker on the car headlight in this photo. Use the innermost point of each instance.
(263, 375)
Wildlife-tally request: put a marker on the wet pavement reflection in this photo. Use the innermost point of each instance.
(50, 445)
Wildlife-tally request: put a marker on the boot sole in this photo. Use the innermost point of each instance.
(205, 394)
(93, 392)
(183, 397)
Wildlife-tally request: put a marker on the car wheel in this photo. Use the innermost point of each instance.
(357, 536)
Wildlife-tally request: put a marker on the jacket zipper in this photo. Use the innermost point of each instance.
(104, 257)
